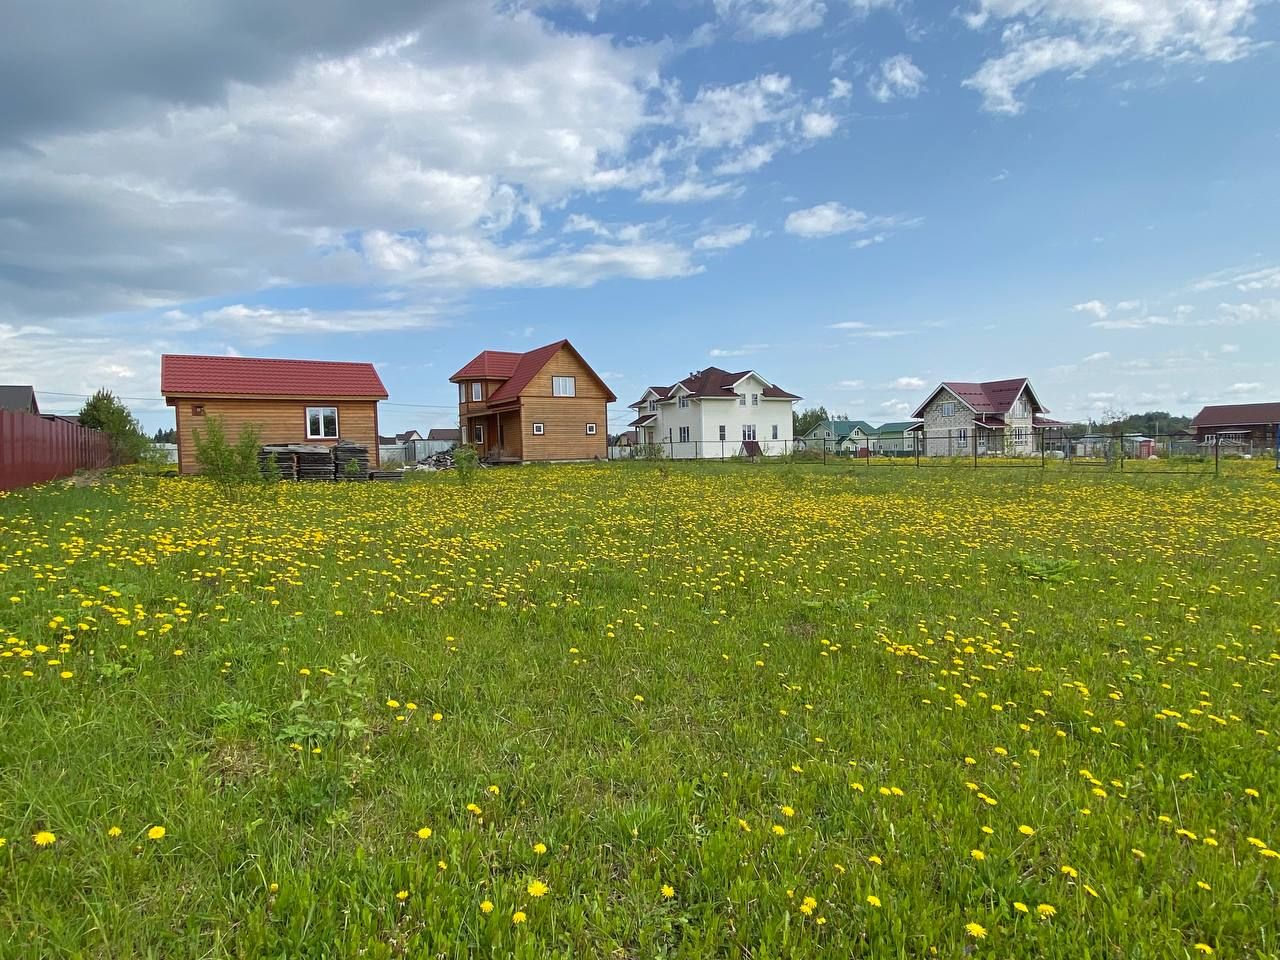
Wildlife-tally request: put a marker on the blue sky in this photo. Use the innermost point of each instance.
(857, 198)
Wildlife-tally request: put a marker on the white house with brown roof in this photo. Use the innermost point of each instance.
(716, 413)
(1003, 417)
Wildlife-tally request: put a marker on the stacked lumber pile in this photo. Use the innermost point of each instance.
(285, 465)
(315, 461)
(345, 453)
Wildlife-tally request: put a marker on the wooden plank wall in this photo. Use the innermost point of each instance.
(281, 421)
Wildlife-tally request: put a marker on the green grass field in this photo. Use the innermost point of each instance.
(640, 711)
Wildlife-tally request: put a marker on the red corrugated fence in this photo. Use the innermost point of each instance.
(33, 449)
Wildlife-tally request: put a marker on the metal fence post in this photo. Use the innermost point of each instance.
(1216, 448)
(915, 442)
(975, 448)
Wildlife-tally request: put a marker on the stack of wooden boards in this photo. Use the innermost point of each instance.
(316, 461)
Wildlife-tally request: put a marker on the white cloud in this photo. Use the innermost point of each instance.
(907, 383)
(896, 407)
(752, 158)
(1229, 348)
(1095, 307)
(896, 77)
(725, 116)
(1096, 357)
(1042, 36)
(849, 385)
(840, 89)
(848, 325)
(831, 218)
(772, 18)
(816, 126)
(1241, 388)
(686, 191)
(726, 238)
(745, 350)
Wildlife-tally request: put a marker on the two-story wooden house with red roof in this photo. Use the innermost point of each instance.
(289, 401)
(544, 405)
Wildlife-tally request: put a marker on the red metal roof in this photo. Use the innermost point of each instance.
(489, 365)
(261, 377)
(1237, 415)
(517, 369)
(989, 397)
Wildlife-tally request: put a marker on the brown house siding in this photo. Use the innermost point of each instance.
(281, 421)
(564, 418)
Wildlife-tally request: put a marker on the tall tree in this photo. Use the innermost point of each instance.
(806, 420)
(104, 411)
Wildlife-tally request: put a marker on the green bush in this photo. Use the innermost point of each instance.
(232, 466)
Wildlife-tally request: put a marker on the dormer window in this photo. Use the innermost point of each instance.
(755, 399)
(682, 402)
(653, 406)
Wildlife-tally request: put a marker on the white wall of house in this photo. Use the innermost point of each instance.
(772, 420)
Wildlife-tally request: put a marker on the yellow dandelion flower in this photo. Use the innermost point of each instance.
(1204, 948)
(873, 900)
(1026, 830)
(402, 895)
(156, 833)
(787, 811)
(537, 888)
(975, 930)
(1020, 906)
(114, 831)
(777, 829)
(486, 906)
(44, 838)
(518, 917)
(539, 848)
(1046, 910)
(977, 854)
(668, 891)
(424, 833)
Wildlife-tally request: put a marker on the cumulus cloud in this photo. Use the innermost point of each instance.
(897, 76)
(1074, 36)
(1242, 388)
(816, 126)
(1095, 307)
(907, 383)
(726, 238)
(832, 218)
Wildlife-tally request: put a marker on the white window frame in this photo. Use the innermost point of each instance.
(723, 432)
(775, 431)
(539, 429)
(321, 435)
(682, 402)
(748, 431)
(962, 437)
(564, 387)
(462, 393)
(653, 406)
(742, 399)
(477, 434)
(684, 434)
(477, 392)
(948, 408)
(755, 399)
(591, 429)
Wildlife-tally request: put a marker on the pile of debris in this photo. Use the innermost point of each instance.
(439, 461)
(315, 461)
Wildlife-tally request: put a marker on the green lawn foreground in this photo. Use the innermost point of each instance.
(638, 710)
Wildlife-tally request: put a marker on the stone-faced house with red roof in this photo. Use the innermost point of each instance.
(289, 401)
(715, 413)
(543, 405)
(1002, 417)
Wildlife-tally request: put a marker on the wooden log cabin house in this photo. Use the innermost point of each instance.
(290, 401)
(543, 405)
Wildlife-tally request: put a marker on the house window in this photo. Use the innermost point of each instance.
(322, 423)
(539, 429)
(962, 437)
(462, 393)
(477, 433)
(775, 431)
(653, 406)
(748, 431)
(563, 387)
(682, 402)
(591, 429)
(477, 391)
(949, 408)
(742, 399)
(755, 399)
(197, 409)
(722, 431)
(684, 434)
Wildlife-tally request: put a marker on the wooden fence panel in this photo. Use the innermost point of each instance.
(33, 450)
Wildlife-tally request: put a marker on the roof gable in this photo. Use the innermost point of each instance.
(987, 397)
(268, 377)
(517, 370)
(714, 383)
(19, 398)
